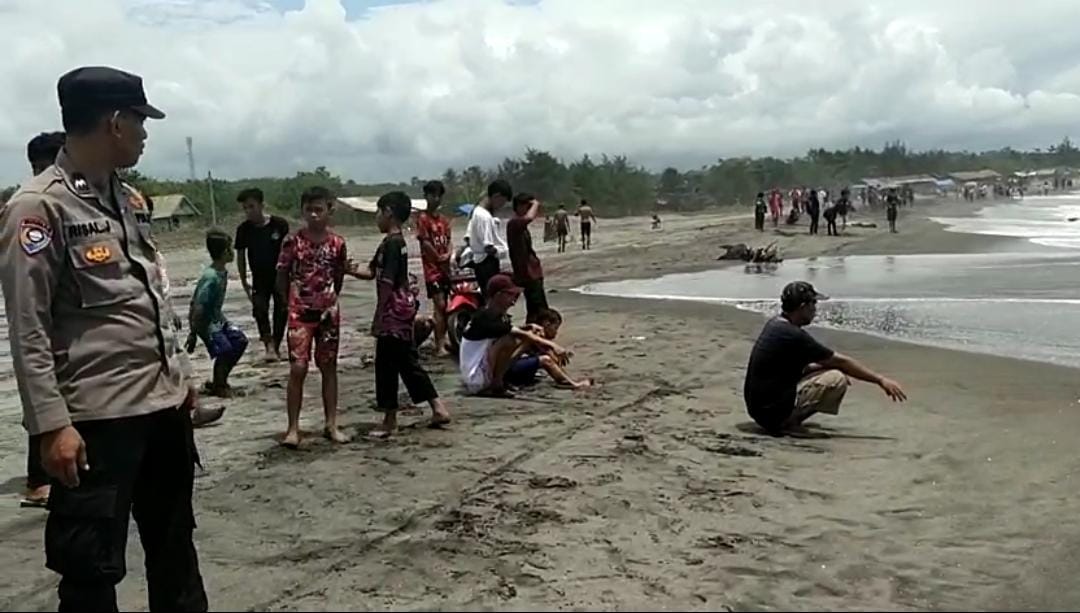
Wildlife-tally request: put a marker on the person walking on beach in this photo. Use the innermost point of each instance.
(892, 209)
(588, 218)
(258, 244)
(562, 226)
(776, 206)
(843, 207)
(830, 219)
(41, 152)
(100, 370)
(813, 209)
(486, 241)
(759, 212)
(792, 376)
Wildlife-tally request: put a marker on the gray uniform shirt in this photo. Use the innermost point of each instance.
(90, 324)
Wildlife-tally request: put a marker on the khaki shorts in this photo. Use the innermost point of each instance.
(820, 392)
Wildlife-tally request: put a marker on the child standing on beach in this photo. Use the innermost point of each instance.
(224, 342)
(311, 271)
(395, 312)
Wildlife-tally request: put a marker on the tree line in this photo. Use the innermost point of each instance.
(615, 186)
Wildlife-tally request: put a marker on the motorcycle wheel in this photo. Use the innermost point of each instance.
(456, 322)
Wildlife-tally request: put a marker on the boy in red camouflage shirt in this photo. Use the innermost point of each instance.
(433, 232)
(311, 271)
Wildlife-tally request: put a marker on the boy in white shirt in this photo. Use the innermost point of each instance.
(495, 353)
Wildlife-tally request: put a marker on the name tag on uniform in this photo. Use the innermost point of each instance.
(89, 229)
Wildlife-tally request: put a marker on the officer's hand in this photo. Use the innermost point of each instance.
(63, 455)
(189, 345)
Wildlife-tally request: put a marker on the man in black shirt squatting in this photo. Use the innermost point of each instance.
(258, 244)
(792, 376)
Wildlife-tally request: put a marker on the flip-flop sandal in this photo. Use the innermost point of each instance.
(34, 503)
(497, 394)
(379, 435)
(438, 423)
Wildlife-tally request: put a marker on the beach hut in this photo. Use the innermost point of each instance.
(922, 185)
(361, 209)
(978, 176)
(172, 211)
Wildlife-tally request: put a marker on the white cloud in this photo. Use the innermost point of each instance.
(411, 89)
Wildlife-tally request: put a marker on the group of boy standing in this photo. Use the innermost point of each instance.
(296, 279)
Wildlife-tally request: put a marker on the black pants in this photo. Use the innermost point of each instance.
(395, 357)
(484, 272)
(264, 290)
(586, 235)
(35, 472)
(830, 226)
(535, 299)
(813, 223)
(138, 465)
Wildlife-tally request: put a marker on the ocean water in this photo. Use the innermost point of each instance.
(1040, 220)
(1023, 303)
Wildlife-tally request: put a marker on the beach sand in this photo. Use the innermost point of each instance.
(652, 491)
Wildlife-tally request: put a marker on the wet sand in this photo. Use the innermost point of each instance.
(653, 490)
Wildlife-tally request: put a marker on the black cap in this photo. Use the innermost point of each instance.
(95, 88)
(798, 293)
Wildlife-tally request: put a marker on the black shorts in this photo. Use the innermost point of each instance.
(438, 287)
(586, 229)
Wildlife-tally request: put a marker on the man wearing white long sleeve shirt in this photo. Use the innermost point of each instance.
(485, 239)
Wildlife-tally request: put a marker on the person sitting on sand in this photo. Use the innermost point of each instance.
(547, 325)
(792, 376)
(224, 341)
(495, 354)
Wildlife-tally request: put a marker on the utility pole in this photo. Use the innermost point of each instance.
(213, 203)
(190, 160)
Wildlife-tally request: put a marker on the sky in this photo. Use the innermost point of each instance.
(386, 90)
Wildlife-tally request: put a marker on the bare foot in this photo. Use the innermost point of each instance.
(336, 435)
(387, 428)
(36, 498)
(439, 415)
(291, 440)
(585, 384)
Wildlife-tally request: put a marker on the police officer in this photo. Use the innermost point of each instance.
(41, 152)
(97, 361)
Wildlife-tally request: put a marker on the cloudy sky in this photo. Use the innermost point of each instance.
(382, 89)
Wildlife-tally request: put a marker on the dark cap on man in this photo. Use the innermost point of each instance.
(798, 293)
(502, 283)
(94, 89)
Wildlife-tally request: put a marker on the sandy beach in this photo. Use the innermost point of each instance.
(652, 491)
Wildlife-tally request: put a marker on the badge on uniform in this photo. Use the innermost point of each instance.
(98, 254)
(35, 234)
(80, 184)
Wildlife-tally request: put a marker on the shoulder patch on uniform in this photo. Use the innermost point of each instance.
(136, 201)
(35, 234)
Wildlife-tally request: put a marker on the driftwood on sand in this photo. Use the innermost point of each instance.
(746, 253)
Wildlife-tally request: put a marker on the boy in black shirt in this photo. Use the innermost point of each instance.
(791, 375)
(260, 237)
(495, 353)
(393, 324)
